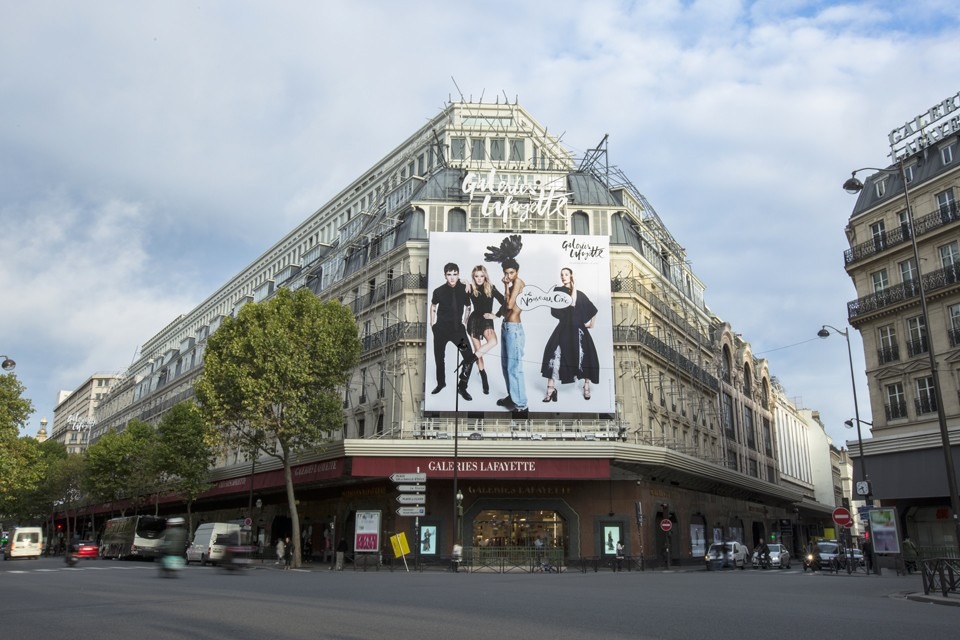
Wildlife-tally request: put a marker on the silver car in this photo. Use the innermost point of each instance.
(779, 557)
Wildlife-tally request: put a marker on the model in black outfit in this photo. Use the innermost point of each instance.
(480, 323)
(570, 354)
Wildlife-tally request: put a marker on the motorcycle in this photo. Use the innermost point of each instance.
(70, 558)
(813, 562)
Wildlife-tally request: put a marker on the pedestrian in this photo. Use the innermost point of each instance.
(868, 555)
(281, 548)
(287, 553)
(619, 564)
(341, 553)
(456, 556)
(910, 555)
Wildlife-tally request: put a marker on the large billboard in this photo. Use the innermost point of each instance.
(534, 310)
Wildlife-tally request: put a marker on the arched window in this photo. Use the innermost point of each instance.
(747, 380)
(457, 220)
(725, 364)
(580, 223)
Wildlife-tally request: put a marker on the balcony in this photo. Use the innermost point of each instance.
(888, 354)
(917, 347)
(933, 281)
(925, 405)
(896, 410)
(890, 239)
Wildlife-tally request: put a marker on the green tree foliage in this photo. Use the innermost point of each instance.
(272, 379)
(123, 466)
(17, 456)
(185, 453)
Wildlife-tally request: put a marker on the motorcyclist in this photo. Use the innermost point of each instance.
(174, 539)
(763, 554)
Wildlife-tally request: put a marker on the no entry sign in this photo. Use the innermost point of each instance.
(666, 525)
(842, 517)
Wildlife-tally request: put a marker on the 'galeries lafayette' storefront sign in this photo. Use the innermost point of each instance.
(504, 468)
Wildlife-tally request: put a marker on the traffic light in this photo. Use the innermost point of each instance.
(773, 537)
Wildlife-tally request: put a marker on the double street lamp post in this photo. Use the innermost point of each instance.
(853, 185)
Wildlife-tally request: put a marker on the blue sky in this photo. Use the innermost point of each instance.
(150, 150)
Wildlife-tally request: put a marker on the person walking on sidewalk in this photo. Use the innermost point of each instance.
(341, 553)
(280, 550)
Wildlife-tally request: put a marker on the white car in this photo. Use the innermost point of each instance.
(779, 557)
(726, 554)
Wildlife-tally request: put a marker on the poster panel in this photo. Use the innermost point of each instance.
(366, 536)
(883, 526)
(611, 536)
(559, 338)
(428, 540)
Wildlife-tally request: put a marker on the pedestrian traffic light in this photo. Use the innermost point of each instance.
(773, 537)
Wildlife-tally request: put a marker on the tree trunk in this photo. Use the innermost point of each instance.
(292, 506)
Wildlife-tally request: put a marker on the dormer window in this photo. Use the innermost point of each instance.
(908, 172)
(881, 187)
(946, 153)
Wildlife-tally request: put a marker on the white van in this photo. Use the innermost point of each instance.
(25, 542)
(210, 541)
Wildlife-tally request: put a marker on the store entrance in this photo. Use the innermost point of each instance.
(519, 528)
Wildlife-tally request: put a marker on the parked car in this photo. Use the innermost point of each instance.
(779, 557)
(87, 549)
(726, 554)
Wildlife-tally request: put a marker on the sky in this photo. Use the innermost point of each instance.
(151, 150)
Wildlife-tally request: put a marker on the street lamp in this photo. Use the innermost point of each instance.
(853, 185)
(8, 363)
(863, 488)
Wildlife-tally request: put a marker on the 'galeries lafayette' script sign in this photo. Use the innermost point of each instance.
(517, 195)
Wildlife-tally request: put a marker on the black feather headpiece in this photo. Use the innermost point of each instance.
(509, 249)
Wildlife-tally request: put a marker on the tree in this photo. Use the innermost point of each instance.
(272, 379)
(185, 453)
(16, 457)
(123, 466)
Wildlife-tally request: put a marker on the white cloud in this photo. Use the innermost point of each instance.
(152, 150)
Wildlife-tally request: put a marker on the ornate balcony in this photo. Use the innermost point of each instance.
(943, 215)
(933, 281)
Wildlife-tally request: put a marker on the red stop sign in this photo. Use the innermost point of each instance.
(842, 517)
(666, 525)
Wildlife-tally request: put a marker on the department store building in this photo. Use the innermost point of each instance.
(674, 430)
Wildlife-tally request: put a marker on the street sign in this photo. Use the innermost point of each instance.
(417, 488)
(666, 525)
(842, 517)
(412, 511)
(411, 498)
(408, 477)
(864, 513)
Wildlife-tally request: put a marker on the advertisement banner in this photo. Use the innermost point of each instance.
(366, 537)
(533, 309)
(883, 526)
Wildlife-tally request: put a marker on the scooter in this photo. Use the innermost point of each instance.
(170, 565)
(70, 558)
(813, 562)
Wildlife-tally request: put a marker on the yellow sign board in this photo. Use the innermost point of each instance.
(400, 546)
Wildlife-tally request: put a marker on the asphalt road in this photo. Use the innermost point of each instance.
(108, 599)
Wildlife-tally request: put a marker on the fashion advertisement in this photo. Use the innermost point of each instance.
(366, 535)
(527, 317)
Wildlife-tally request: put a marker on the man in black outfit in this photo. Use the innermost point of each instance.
(449, 310)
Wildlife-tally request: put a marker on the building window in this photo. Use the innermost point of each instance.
(361, 427)
(949, 254)
(728, 425)
(946, 153)
(579, 224)
(879, 235)
(888, 350)
(458, 148)
(747, 381)
(497, 150)
(953, 312)
(896, 405)
(926, 401)
(916, 336)
(457, 220)
(516, 150)
(908, 172)
(363, 386)
(748, 428)
(477, 149)
(908, 271)
(881, 187)
(880, 281)
(945, 203)
(725, 364)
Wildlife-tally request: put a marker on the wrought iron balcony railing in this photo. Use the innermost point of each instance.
(933, 281)
(888, 239)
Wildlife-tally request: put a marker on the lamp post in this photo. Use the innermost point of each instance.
(853, 185)
(8, 363)
(457, 496)
(864, 488)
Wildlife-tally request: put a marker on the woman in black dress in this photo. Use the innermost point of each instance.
(480, 323)
(570, 354)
